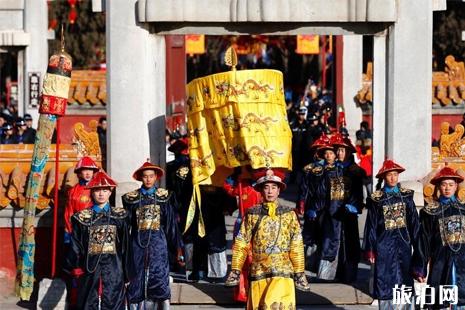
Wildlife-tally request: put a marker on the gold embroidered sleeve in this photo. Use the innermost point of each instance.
(297, 247)
(241, 244)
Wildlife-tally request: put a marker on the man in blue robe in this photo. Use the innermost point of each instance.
(442, 242)
(154, 235)
(391, 233)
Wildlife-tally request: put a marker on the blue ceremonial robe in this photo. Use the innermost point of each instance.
(391, 231)
(154, 234)
(442, 244)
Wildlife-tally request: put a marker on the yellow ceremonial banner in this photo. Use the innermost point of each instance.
(235, 118)
(308, 44)
(195, 44)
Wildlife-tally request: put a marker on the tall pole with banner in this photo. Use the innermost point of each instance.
(52, 105)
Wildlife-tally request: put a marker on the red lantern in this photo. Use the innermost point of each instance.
(52, 24)
(72, 15)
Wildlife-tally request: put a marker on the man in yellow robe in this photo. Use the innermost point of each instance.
(273, 232)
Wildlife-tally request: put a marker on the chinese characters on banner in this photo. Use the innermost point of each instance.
(195, 44)
(308, 44)
(34, 87)
(402, 295)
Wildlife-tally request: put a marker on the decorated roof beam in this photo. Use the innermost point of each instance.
(448, 86)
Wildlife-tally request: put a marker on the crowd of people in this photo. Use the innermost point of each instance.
(121, 257)
(153, 234)
(19, 131)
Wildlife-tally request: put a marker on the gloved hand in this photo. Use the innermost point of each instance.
(351, 209)
(67, 237)
(311, 214)
(230, 180)
(233, 278)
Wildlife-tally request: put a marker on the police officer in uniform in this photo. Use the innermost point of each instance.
(301, 141)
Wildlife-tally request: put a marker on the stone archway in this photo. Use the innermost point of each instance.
(402, 61)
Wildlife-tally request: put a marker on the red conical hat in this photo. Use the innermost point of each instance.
(181, 146)
(101, 179)
(265, 175)
(338, 140)
(446, 173)
(323, 140)
(137, 175)
(86, 163)
(389, 165)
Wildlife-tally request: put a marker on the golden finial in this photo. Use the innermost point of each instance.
(230, 58)
(62, 38)
(267, 163)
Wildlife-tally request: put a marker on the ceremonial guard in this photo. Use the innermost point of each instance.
(442, 240)
(322, 226)
(154, 234)
(79, 195)
(328, 221)
(240, 185)
(311, 178)
(99, 250)
(78, 199)
(353, 176)
(273, 231)
(312, 199)
(210, 260)
(179, 181)
(391, 232)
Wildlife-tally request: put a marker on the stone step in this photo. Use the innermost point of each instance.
(320, 294)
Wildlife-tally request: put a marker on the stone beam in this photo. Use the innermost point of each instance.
(267, 10)
(269, 28)
(12, 5)
(14, 38)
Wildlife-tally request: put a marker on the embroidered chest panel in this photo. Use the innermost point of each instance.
(452, 229)
(337, 188)
(273, 236)
(102, 239)
(148, 217)
(394, 216)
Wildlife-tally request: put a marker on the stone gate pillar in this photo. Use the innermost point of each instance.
(352, 80)
(36, 53)
(136, 92)
(408, 105)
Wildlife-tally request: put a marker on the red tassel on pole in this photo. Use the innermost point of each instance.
(241, 204)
